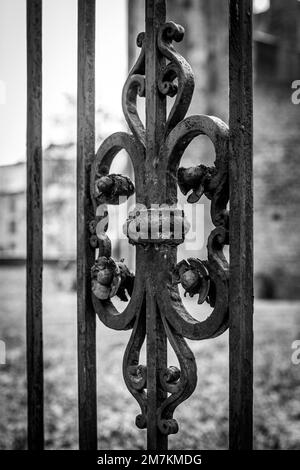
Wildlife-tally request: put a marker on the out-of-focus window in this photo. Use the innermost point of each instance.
(12, 227)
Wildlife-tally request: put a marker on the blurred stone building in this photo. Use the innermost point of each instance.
(12, 211)
(59, 199)
(276, 120)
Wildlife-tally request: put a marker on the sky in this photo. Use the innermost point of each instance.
(59, 67)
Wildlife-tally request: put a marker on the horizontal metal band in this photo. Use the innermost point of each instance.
(156, 226)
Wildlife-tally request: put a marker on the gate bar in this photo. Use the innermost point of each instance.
(241, 225)
(34, 261)
(86, 319)
(155, 16)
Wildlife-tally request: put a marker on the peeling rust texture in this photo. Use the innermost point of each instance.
(86, 323)
(34, 323)
(241, 226)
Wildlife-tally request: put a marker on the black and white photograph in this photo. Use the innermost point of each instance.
(149, 231)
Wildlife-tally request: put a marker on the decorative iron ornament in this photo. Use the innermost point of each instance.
(155, 310)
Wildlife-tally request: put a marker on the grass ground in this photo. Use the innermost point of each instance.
(203, 418)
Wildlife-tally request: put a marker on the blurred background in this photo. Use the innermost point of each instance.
(204, 417)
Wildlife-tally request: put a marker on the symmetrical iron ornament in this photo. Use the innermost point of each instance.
(155, 310)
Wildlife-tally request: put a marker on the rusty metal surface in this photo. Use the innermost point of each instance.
(86, 325)
(241, 226)
(155, 312)
(34, 261)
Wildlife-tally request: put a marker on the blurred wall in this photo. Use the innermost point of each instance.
(276, 151)
(59, 203)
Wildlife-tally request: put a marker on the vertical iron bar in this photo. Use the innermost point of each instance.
(241, 226)
(86, 320)
(34, 262)
(155, 124)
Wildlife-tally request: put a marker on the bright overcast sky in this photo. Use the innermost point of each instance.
(59, 65)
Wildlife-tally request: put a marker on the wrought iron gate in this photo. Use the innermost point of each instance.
(155, 312)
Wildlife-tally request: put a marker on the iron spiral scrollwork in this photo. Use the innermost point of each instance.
(156, 264)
